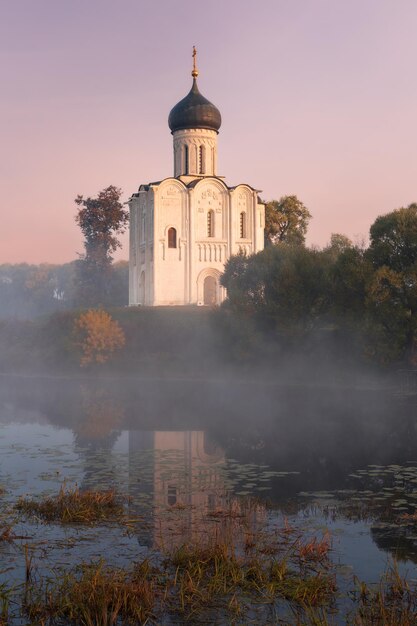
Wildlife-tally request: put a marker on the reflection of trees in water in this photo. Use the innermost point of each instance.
(92, 408)
(101, 417)
(382, 496)
(395, 520)
(325, 439)
(322, 433)
(396, 542)
(95, 434)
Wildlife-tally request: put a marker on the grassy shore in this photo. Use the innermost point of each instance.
(180, 342)
(156, 339)
(274, 575)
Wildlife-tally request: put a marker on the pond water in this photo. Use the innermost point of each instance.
(200, 460)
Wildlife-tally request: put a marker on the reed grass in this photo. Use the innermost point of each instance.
(310, 591)
(95, 595)
(5, 599)
(315, 550)
(191, 583)
(392, 603)
(72, 506)
(219, 582)
(206, 574)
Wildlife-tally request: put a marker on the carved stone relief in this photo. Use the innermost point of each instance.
(211, 252)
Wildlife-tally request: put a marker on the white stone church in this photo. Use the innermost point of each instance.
(184, 228)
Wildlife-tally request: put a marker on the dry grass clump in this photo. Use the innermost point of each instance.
(313, 590)
(408, 517)
(204, 575)
(315, 550)
(393, 602)
(5, 599)
(194, 583)
(217, 584)
(95, 595)
(6, 534)
(72, 506)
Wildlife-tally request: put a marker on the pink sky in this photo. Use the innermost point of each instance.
(318, 99)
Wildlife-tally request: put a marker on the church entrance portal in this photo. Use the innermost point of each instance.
(210, 289)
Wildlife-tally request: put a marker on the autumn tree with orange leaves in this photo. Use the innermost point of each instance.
(98, 336)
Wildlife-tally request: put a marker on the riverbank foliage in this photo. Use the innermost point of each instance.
(343, 306)
(29, 291)
(157, 341)
(98, 336)
(365, 298)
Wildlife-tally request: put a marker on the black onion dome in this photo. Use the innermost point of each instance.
(194, 111)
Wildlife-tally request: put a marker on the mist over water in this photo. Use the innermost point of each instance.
(330, 448)
(321, 434)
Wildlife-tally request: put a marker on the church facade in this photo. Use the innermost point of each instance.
(184, 228)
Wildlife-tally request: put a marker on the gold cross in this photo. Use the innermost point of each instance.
(194, 73)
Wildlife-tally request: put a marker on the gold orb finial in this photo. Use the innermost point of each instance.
(194, 73)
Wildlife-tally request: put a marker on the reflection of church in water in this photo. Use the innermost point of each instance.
(187, 490)
(184, 228)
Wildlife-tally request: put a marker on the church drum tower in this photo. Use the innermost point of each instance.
(183, 229)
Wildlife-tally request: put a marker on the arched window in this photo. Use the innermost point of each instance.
(186, 160)
(210, 224)
(243, 225)
(172, 238)
(201, 160)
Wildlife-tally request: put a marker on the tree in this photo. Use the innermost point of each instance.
(98, 336)
(234, 278)
(286, 287)
(338, 244)
(101, 220)
(394, 239)
(27, 291)
(119, 285)
(286, 220)
(350, 273)
(392, 291)
(366, 298)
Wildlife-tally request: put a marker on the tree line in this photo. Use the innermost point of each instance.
(362, 297)
(28, 290)
(365, 296)
(92, 280)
